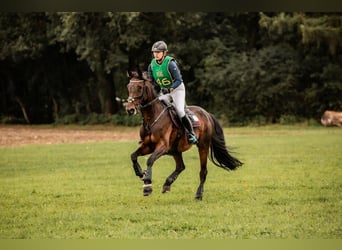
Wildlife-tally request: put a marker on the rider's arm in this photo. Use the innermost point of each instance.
(176, 75)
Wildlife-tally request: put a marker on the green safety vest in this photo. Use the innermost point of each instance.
(161, 72)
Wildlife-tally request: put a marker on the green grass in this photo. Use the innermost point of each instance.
(290, 187)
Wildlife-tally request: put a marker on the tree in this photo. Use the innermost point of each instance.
(317, 28)
(22, 37)
(317, 38)
(240, 66)
(95, 38)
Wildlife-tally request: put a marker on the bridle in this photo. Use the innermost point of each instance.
(132, 99)
(141, 105)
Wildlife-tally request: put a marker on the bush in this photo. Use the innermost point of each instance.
(126, 120)
(94, 118)
(71, 119)
(289, 119)
(11, 120)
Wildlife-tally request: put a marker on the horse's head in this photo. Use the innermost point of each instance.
(137, 91)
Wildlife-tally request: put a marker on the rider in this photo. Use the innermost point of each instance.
(163, 70)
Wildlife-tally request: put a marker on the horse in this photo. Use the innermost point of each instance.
(161, 134)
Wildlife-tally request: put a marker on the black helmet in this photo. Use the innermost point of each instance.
(159, 46)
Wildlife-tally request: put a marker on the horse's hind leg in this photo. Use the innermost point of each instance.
(172, 177)
(203, 153)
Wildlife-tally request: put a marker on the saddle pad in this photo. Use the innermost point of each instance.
(193, 118)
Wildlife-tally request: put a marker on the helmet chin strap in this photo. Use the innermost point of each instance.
(162, 59)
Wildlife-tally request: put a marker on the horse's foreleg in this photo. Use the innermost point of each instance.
(142, 150)
(147, 187)
(203, 153)
(172, 177)
(136, 166)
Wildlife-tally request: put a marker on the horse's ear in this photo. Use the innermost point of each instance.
(140, 74)
(145, 76)
(129, 74)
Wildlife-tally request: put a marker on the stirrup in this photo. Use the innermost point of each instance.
(192, 139)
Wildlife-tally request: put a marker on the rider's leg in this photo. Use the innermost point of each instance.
(178, 96)
(191, 134)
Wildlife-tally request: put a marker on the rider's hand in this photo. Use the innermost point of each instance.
(165, 91)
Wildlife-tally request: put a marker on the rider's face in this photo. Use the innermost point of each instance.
(158, 55)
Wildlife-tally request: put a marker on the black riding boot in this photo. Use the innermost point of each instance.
(191, 134)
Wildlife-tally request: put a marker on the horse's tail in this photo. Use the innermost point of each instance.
(219, 153)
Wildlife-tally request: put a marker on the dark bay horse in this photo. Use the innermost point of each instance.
(160, 135)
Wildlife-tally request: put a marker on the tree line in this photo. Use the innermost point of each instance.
(244, 67)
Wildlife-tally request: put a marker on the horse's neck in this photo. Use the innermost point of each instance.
(152, 110)
(152, 107)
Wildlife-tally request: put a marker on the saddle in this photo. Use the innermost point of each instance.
(168, 103)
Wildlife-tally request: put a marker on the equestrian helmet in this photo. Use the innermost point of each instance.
(159, 46)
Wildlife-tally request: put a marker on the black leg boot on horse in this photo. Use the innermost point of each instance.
(188, 127)
(147, 179)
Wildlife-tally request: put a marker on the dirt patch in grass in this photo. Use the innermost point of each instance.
(26, 135)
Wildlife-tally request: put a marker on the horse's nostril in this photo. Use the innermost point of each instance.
(130, 111)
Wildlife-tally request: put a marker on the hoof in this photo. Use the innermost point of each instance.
(198, 198)
(147, 189)
(166, 189)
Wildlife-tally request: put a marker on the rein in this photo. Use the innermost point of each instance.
(149, 127)
(149, 103)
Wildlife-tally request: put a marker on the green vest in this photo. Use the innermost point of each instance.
(161, 72)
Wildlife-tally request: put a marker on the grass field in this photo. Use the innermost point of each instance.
(289, 187)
